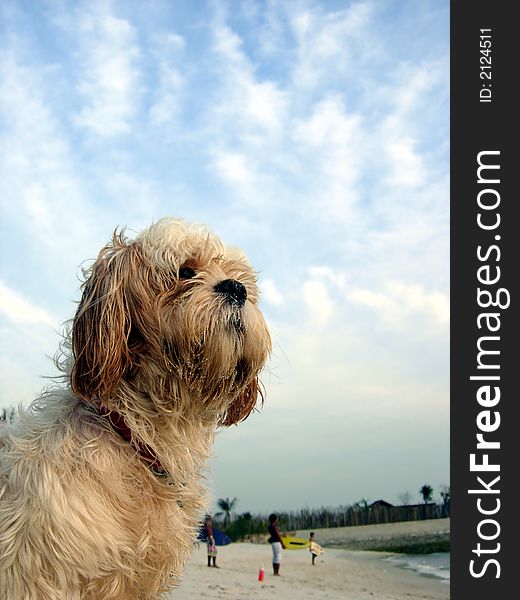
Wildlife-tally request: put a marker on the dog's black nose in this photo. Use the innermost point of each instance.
(233, 290)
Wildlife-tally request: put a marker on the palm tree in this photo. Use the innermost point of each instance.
(226, 505)
(426, 492)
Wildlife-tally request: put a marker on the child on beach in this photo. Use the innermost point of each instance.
(210, 541)
(314, 548)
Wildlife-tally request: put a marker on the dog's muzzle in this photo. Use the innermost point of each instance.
(234, 292)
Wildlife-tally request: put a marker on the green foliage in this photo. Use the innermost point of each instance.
(245, 525)
(426, 492)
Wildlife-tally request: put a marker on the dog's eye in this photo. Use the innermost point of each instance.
(186, 273)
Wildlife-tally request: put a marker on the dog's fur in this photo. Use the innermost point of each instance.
(157, 351)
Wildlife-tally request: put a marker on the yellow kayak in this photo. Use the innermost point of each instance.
(294, 543)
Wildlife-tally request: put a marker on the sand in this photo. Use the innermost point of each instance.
(338, 573)
(368, 537)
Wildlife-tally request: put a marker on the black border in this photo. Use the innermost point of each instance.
(478, 126)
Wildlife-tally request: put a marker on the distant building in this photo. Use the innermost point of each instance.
(382, 511)
(380, 504)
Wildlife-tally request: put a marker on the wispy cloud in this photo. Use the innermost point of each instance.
(110, 75)
(259, 107)
(233, 168)
(168, 98)
(327, 41)
(271, 293)
(17, 308)
(42, 192)
(399, 302)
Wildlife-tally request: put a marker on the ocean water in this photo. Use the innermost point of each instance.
(430, 565)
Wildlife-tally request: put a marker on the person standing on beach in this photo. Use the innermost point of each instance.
(276, 542)
(315, 549)
(210, 541)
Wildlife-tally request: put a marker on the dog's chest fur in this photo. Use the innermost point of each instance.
(93, 509)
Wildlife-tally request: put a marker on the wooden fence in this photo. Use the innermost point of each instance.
(343, 516)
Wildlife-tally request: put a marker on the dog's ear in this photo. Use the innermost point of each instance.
(101, 327)
(244, 404)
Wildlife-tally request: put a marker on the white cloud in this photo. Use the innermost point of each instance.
(42, 193)
(406, 165)
(318, 302)
(436, 304)
(271, 293)
(270, 28)
(260, 125)
(167, 97)
(252, 108)
(336, 138)
(233, 168)
(334, 277)
(401, 130)
(399, 302)
(246, 123)
(326, 41)
(15, 307)
(110, 84)
(265, 105)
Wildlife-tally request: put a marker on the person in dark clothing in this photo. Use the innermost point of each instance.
(276, 542)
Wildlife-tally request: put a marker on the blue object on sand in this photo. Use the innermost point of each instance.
(221, 539)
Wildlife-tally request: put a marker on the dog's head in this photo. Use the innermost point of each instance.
(172, 313)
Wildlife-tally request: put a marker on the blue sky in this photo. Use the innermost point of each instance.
(315, 135)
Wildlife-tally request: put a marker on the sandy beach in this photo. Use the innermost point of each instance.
(370, 537)
(338, 573)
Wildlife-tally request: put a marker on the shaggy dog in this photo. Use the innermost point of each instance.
(99, 479)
